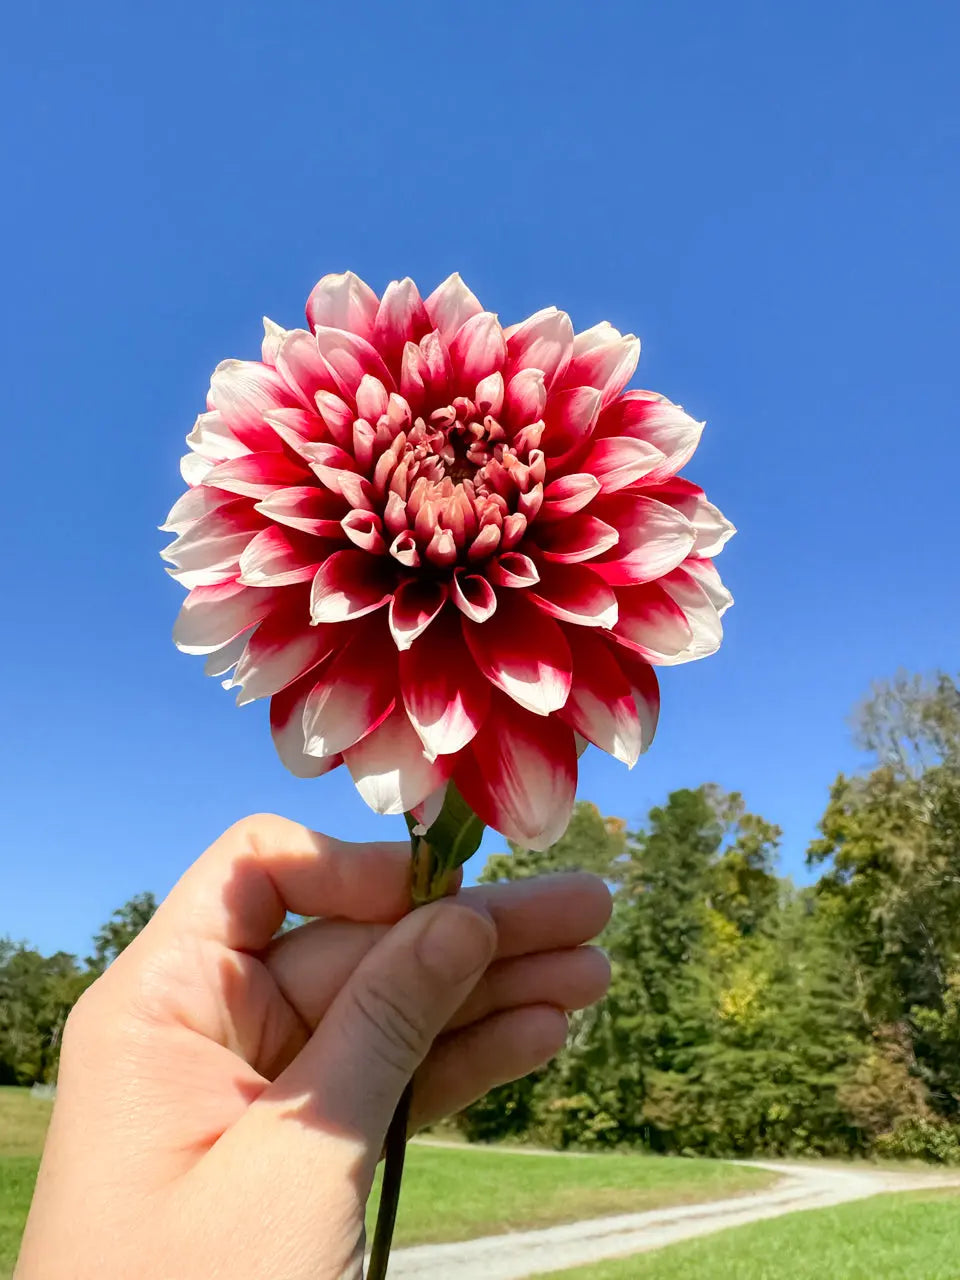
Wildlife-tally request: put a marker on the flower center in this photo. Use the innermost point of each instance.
(452, 486)
(460, 438)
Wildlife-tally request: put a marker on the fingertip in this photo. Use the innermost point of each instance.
(596, 897)
(544, 1029)
(598, 970)
(457, 940)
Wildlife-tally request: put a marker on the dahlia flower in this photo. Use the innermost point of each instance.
(445, 549)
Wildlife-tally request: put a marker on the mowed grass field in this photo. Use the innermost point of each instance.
(23, 1125)
(449, 1193)
(456, 1193)
(459, 1193)
(911, 1236)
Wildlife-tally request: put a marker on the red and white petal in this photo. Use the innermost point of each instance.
(451, 305)
(513, 569)
(349, 584)
(342, 300)
(329, 463)
(349, 358)
(600, 705)
(519, 775)
(705, 572)
(365, 530)
(477, 349)
(646, 693)
(193, 468)
(273, 335)
(566, 495)
(429, 811)
(522, 652)
(390, 769)
(574, 593)
(603, 358)
(579, 537)
(654, 539)
(243, 391)
(215, 542)
(437, 368)
(473, 595)
(304, 370)
(282, 649)
(279, 557)
(299, 429)
(713, 530)
(569, 419)
(651, 623)
(337, 416)
(620, 462)
(445, 695)
(645, 415)
(286, 727)
(353, 693)
(309, 508)
(372, 398)
(212, 616)
(193, 504)
(226, 658)
(489, 394)
(213, 439)
(525, 398)
(257, 475)
(401, 318)
(413, 608)
(700, 613)
(544, 341)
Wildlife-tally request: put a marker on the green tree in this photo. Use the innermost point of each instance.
(36, 994)
(700, 868)
(591, 842)
(891, 844)
(121, 929)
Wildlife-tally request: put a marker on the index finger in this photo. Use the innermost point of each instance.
(239, 891)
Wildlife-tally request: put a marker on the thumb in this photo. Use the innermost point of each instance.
(383, 1022)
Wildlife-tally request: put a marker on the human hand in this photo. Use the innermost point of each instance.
(224, 1094)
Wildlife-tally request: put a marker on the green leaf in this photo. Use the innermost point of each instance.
(456, 834)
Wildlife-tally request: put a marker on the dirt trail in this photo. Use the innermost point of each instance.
(527, 1253)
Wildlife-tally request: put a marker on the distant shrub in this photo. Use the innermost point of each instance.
(917, 1138)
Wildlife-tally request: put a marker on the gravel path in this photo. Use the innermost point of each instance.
(527, 1253)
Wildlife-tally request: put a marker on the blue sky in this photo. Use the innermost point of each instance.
(767, 194)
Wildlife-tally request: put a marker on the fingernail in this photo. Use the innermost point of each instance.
(457, 942)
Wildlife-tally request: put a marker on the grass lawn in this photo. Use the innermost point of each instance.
(911, 1236)
(23, 1124)
(457, 1193)
(449, 1193)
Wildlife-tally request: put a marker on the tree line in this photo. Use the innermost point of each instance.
(37, 992)
(746, 1015)
(750, 1016)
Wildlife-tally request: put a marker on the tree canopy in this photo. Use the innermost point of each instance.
(746, 1015)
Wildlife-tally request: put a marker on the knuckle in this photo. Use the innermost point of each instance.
(82, 1017)
(83, 1040)
(256, 829)
(400, 1037)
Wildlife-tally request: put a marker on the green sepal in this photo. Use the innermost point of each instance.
(446, 844)
(456, 834)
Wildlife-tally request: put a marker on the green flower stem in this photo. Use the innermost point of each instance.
(430, 880)
(395, 1150)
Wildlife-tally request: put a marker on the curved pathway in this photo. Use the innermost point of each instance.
(527, 1253)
